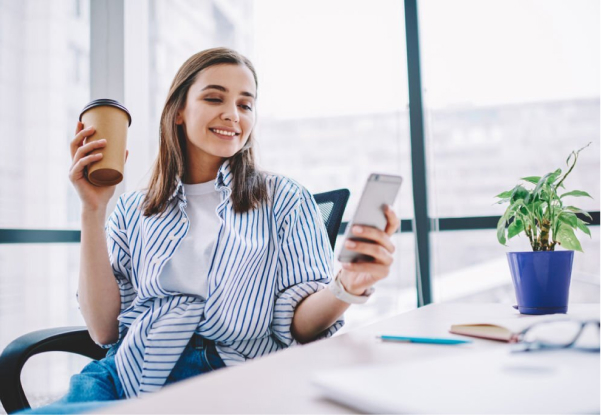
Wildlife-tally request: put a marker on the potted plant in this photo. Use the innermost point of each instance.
(541, 278)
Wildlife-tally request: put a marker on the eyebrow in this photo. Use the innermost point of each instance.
(224, 89)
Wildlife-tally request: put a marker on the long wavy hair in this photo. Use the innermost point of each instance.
(248, 186)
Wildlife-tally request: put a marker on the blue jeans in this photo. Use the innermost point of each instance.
(98, 385)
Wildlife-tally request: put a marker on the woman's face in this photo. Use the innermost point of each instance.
(219, 114)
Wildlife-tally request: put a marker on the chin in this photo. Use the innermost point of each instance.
(226, 151)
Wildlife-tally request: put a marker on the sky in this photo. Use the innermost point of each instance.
(333, 57)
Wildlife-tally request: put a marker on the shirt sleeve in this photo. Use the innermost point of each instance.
(120, 259)
(304, 264)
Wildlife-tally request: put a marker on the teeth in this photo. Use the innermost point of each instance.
(222, 132)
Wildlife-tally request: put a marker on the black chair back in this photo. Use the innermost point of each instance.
(332, 205)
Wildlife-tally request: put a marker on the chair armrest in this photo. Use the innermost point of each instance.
(61, 339)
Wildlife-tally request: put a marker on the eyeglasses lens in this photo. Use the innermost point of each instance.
(564, 333)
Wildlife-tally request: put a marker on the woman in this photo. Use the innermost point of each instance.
(215, 262)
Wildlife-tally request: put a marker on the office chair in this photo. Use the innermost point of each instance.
(76, 339)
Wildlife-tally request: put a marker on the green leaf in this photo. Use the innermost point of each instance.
(519, 192)
(582, 226)
(530, 197)
(568, 218)
(509, 213)
(537, 208)
(540, 184)
(566, 237)
(516, 227)
(505, 195)
(531, 179)
(575, 209)
(553, 176)
(577, 193)
(501, 230)
(514, 209)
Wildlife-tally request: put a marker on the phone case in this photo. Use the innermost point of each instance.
(380, 190)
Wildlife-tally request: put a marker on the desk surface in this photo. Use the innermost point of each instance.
(281, 382)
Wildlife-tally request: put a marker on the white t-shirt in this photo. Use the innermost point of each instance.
(187, 271)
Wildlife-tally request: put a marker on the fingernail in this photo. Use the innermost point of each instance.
(357, 229)
(350, 244)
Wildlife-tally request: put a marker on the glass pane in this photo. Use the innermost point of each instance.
(40, 294)
(332, 104)
(511, 88)
(44, 82)
(471, 266)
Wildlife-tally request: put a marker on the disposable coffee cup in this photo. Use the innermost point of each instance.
(110, 120)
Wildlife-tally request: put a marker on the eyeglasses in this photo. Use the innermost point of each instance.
(563, 334)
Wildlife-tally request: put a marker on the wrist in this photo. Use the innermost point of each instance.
(341, 293)
(351, 290)
(93, 213)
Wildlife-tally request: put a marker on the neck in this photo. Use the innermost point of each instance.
(202, 169)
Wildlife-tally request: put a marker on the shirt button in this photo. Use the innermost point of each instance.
(184, 220)
(172, 237)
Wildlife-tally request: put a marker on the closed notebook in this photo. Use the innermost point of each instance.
(505, 330)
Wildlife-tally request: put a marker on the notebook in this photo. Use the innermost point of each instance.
(479, 382)
(505, 329)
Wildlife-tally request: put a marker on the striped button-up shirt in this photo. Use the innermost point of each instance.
(265, 262)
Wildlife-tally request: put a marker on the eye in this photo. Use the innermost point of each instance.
(245, 107)
(213, 100)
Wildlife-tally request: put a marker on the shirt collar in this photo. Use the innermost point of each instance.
(223, 180)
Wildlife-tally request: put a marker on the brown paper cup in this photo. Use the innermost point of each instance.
(111, 121)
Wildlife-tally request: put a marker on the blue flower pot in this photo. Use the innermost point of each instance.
(541, 280)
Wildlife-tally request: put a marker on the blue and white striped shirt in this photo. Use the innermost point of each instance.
(265, 262)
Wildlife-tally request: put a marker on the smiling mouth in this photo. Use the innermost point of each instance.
(230, 134)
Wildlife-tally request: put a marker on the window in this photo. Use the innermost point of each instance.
(510, 89)
(44, 83)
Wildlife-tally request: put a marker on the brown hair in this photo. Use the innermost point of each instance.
(248, 185)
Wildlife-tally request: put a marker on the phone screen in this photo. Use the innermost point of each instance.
(380, 190)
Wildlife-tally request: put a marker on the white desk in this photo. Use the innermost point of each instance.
(280, 383)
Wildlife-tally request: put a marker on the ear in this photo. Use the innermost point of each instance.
(178, 119)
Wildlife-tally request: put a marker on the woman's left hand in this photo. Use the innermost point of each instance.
(359, 276)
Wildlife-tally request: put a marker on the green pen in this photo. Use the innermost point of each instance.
(429, 340)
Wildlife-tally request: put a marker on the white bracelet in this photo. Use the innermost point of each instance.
(338, 290)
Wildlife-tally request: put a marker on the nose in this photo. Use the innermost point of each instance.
(231, 114)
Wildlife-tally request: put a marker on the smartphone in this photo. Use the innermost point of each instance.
(380, 190)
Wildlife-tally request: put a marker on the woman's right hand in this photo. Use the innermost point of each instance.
(92, 197)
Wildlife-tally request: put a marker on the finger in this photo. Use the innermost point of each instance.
(86, 149)
(77, 169)
(378, 271)
(393, 222)
(373, 234)
(79, 127)
(79, 137)
(378, 252)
